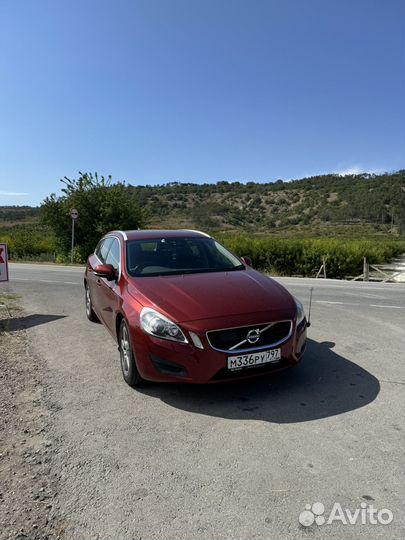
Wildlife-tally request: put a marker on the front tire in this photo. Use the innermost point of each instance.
(128, 363)
(89, 306)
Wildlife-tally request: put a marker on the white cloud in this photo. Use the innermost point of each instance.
(358, 170)
(12, 194)
(350, 170)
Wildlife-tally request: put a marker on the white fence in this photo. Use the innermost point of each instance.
(382, 272)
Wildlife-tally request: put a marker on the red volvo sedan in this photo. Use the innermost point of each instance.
(183, 308)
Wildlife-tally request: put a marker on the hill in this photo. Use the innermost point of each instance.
(327, 204)
(308, 203)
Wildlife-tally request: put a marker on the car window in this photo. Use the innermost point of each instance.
(178, 255)
(113, 255)
(102, 249)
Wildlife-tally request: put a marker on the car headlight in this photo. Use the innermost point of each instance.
(156, 324)
(300, 311)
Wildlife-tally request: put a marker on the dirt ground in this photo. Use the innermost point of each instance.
(28, 481)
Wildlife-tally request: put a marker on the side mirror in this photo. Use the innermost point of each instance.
(106, 271)
(246, 260)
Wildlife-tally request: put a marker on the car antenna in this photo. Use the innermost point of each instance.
(310, 304)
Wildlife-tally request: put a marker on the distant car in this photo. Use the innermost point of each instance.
(183, 308)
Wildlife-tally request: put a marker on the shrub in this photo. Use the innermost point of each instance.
(29, 243)
(304, 256)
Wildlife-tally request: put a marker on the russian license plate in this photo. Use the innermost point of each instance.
(254, 359)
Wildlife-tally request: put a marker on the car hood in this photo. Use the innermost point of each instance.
(192, 297)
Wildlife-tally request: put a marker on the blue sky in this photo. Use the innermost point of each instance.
(152, 91)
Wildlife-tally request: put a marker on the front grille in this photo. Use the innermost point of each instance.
(234, 340)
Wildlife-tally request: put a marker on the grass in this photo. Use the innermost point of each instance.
(4, 297)
(8, 303)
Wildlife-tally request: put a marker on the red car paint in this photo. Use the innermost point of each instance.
(197, 302)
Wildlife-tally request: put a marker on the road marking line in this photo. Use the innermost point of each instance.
(51, 267)
(47, 281)
(365, 295)
(353, 304)
(390, 307)
(344, 285)
(329, 302)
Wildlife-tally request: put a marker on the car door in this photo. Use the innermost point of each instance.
(108, 291)
(98, 257)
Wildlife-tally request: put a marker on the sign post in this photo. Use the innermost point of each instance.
(3, 263)
(74, 214)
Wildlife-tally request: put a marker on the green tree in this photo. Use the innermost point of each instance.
(102, 205)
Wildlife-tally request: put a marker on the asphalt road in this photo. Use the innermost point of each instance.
(240, 460)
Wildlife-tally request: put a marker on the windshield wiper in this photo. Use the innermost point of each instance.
(239, 267)
(190, 271)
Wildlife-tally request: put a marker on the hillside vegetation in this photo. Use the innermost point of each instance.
(309, 203)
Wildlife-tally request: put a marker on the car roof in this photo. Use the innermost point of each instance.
(146, 234)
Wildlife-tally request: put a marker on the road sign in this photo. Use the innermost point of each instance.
(3, 263)
(74, 214)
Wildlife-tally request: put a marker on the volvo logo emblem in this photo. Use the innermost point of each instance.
(253, 336)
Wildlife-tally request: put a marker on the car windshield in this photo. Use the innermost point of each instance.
(172, 255)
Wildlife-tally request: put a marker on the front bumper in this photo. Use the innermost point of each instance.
(168, 361)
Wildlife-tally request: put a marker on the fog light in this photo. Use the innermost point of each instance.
(196, 340)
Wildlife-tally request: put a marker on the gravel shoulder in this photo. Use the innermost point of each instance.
(28, 483)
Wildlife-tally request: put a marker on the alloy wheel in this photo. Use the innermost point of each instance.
(88, 302)
(125, 350)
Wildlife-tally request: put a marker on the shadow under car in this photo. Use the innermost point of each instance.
(324, 384)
